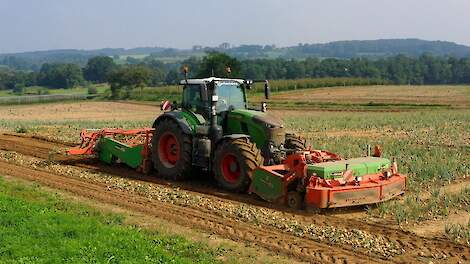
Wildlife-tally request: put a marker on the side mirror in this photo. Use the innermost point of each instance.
(248, 84)
(165, 106)
(267, 90)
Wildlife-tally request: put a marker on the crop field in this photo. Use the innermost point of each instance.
(426, 129)
(38, 90)
(173, 92)
(390, 97)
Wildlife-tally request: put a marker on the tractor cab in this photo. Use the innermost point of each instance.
(197, 95)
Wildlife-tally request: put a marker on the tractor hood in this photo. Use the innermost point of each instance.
(260, 117)
(269, 120)
(262, 127)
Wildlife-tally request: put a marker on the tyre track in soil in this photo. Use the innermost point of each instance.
(300, 248)
(415, 246)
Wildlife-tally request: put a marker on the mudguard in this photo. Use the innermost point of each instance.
(178, 118)
(233, 136)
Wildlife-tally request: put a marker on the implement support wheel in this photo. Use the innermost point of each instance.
(295, 200)
(234, 162)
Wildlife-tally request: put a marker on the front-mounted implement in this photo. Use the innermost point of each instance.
(246, 150)
(304, 180)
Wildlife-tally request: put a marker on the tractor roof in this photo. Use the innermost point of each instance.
(210, 79)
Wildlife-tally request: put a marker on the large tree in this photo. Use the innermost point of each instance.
(126, 79)
(215, 64)
(60, 75)
(98, 68)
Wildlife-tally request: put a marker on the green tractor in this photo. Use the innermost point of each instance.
(214, 130)
(246, 150)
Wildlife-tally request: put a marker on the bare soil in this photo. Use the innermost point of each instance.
(81, 111)
(212, 213)
(434, 228)
(405, 94)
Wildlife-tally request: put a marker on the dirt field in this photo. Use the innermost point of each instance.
(355, 235)
(458, 96)
(83, 111)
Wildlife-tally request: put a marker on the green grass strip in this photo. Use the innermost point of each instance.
(38, 227)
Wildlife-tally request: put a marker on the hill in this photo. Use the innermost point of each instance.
(379, 48)
(338, 49)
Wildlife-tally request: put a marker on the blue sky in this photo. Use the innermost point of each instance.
(27, 25)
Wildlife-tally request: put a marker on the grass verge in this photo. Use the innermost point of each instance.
(37, 227)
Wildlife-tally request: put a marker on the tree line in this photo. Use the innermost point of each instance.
(400, 69)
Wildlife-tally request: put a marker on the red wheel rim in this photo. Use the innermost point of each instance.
(230, 168)
(169, 149)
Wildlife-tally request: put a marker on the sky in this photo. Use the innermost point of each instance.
(28, 25)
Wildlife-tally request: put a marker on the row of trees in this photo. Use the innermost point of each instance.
(426, 69)
(400, 69)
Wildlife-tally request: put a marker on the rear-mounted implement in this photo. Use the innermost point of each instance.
(131, 147)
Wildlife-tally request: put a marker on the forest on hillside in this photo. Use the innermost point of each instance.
(370, 49)
(400, 69)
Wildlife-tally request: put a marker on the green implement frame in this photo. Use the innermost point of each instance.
(131, 147)
(111, 150)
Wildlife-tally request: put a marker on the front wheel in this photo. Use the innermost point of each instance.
(234, 162)
(292, 141)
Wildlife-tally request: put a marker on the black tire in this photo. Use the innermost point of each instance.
(243, 157)
(292, 141)
(177, 163)
(295, 200)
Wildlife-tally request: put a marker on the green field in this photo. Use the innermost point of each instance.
(39, 90)
(39, 227)
(173, 92)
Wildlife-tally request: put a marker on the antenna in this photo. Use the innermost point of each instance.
(186, 71)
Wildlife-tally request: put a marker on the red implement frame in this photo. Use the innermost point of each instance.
(371, 189)
(90, 137)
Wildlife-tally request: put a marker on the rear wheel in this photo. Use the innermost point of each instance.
(234, 162)
(171, 151)
(292, 141)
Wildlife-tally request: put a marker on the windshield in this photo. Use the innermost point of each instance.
(230, 95)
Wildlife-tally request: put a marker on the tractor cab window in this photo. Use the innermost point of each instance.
(231, 95)
(193, 100)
